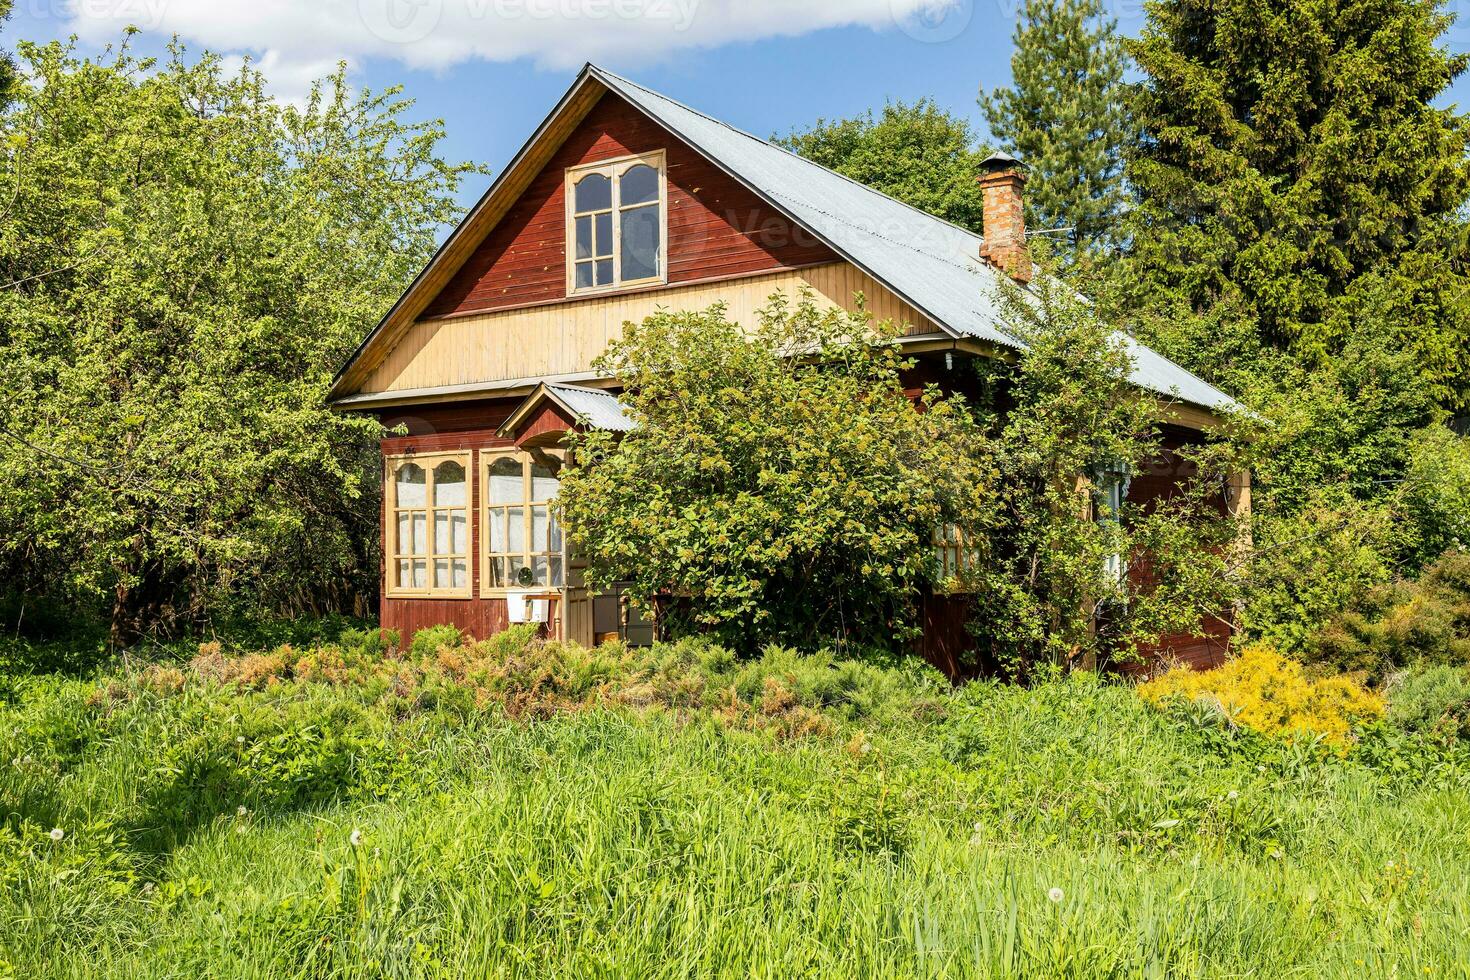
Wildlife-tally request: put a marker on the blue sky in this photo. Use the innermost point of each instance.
(492, 68)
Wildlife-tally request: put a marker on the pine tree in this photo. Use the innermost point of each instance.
(1064, 117)
(1292, 172)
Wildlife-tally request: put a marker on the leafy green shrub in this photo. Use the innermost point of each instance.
(1314, 563)
(1436, 494)
(788, 500)
(1403, 623)
(1430, 698)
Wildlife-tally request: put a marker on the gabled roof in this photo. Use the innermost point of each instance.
(931, 264)
(588, 406)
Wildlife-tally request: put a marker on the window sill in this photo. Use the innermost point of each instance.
(424, 594)
(616, 288)
(549, 591)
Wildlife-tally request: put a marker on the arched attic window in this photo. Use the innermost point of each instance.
(617, 224)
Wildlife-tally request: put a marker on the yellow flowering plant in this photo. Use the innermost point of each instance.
(1264, 691)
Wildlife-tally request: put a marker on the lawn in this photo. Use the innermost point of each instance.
(514, 809)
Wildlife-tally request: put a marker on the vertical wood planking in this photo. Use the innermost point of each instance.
(564, 338)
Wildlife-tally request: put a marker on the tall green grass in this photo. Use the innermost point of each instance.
(1063, 831)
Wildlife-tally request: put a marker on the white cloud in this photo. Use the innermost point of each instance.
(295, 38)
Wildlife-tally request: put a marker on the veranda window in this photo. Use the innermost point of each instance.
(1110, 480)
(953, 557)
(615, 223)
(428, 533)
(523, 542)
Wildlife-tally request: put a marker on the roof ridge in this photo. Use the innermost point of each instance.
(778, 147)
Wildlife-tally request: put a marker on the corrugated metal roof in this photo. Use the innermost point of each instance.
(932, 264)
(596, 408)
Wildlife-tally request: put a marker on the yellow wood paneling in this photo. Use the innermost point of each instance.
(565, 337)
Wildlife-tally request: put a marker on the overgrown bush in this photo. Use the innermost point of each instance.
(1434, 698)
(780, 486)
(1311, 564)
(1264, 691)
(1402, 623)
(1435, 498)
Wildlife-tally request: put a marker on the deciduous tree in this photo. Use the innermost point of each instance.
(917, 153)
(185, 262)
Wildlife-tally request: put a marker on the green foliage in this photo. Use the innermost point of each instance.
(1435, 495)
(1063, 116)
(778, 487)
(1062, 830)
(1042, 587)
(917, 153)
(1311, 564)
(7, 65)
(186, 263)
(427, 641)
(1295, 168)
(1434, 698)
(766, 497)
(1354, 482)
(1402, 624)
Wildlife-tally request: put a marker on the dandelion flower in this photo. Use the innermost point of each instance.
(57, 833)
(1056, 895)
(1232, 795)
(240, 811)
(354, 838)
(239, 739)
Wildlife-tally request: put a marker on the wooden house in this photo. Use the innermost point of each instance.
(621, 202)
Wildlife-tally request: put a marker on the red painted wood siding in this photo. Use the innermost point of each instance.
(945, 643)
(548, 423)
(716, 227)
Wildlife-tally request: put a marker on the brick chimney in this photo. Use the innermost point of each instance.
(1001, 180)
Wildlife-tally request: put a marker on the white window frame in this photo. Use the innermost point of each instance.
(391, 550)
(613, 170)
(488, 458)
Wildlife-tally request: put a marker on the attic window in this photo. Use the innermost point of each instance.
(616, 223)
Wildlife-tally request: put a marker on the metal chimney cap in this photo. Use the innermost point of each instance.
(999, 161)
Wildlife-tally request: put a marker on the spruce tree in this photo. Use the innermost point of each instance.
(1292, 171)
(1064, 117)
